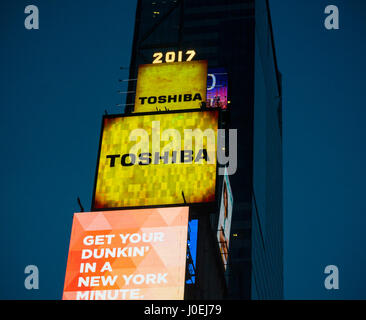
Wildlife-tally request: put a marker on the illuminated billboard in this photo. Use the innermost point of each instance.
(157, 159)
(171, 86)
(127, 255)
(217, 88)
(224, 225)
(192, 251)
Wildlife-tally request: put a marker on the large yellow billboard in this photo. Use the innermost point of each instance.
(171, 86)
(157, 159)
(127, 255)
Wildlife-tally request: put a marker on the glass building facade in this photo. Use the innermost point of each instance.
(234, 35)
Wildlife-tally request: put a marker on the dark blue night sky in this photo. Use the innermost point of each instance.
(57, 81)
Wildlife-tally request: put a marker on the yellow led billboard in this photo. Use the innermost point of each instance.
(171, 86)
(155, 159)
(127, 255)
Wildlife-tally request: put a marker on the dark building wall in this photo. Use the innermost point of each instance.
(228, 34)
(239, 61)
(267, 215)
(210, 284)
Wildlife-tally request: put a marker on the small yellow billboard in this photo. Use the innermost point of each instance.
(171, 86)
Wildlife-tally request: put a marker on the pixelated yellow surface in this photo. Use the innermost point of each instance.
(156, 184)
(163, 79)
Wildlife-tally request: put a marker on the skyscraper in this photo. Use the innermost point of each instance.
(235, 36)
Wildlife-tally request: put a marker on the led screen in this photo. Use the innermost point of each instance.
(224, 225)
(157, 159)
(192, 251)
(127, 255)
(217, 88)
(171, 86)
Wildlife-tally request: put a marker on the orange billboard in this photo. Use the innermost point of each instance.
(127, 255)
